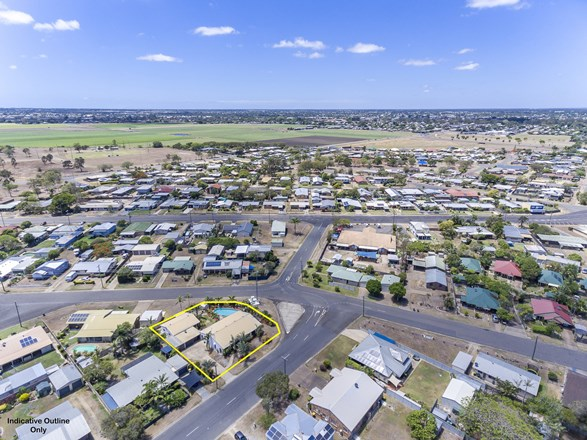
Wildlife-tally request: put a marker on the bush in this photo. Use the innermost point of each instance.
(466, 313)
(552, 376)
(294, 393)
(323, 367)
(4, 407)
(266, 420)
(337, 289)
(477, 315)
(24, 397)
(539, 328)
(327, 363)
(101, 387)
(146, 278)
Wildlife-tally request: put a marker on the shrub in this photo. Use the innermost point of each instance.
(327, 363)
(322, 367)
(552, 376)
(466, 313)
(294, 393)
(101, 387)
(337, 289)
(266, 420)
(4, 407)
(24, 397)
(477, 315)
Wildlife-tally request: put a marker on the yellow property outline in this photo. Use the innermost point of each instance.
(152, 328)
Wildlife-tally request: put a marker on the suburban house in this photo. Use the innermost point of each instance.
(349, 277)
(138, 373)
(462, 362)
(235, 267)
(150, 317)
(181, 331)
(550, 278)
(244, 229)
(297, 425)
(420, 230)
(348, 401)
(52, 268)
(222, 333)
(23, 347)
(103, 229)
(99, 267)
(471, 265)
(179, 266)
(389, 363)
(491, 369)
(480, 298)
(436, 279)
(27, 378)
(66, 380)
(201, 230)
(456, 394)
(76, 427)
(135, 229)
(278, 228)
(149, 266)
(146, 249)
(98, 325)
(366, 240)
(548, 310)
(387, 280)
(507, 269)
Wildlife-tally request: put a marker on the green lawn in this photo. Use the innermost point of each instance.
(336, 352)
(426, 384)
(17, 328)
(45, 244)
(309, 281)
(52, 135)
(389, 419)
(48, 359)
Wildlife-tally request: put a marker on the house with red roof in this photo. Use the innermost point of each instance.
(549, 310)
(462, 193)
(360, 180)
(507, 269)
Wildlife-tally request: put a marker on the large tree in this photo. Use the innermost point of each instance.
(374, 288)
(126, 423)
(273, 388)
(422, 425)
(61, 203)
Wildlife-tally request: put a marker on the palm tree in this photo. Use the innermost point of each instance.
(294, 221)
(161, 381)
(208, 366)
(179, 301)
(242, 348)
(188, 297)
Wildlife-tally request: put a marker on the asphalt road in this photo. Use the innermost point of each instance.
(326, 315)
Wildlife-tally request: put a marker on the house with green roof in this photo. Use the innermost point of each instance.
(351, 277)
(135, 229)
(481, 298)
(471, 264)
(550, 278)
(179, 266)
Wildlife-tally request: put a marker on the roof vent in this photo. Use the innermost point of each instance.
(356, 385)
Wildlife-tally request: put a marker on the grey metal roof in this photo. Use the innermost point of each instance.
(64, 376)
(522, 379)
(76, 429)
(462, 361)
(139, 373)
(382, 356)
(436, 276)
(348, 396)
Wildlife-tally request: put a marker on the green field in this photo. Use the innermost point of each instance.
(52, 135)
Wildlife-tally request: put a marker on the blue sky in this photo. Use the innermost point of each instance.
(304, 54)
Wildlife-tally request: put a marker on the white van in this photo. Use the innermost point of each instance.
(71, 276)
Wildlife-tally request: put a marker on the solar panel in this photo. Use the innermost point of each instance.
(78, 317)
(214, 263)
(28, 340)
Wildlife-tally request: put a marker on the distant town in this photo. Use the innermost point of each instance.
(320, 275)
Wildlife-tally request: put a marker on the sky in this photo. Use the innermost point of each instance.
(317, 54)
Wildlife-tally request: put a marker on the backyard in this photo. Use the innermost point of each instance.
(336, 352)
(426, 384)
(389, 422)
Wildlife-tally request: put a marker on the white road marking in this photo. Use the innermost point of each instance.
(306, 337)
(192, 431)
(232, 400)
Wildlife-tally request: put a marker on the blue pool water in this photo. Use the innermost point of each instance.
(85, 348)
(224, 312)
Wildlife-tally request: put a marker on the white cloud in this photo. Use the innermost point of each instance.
(13, 67)
(418, 63)
(339, 49)
(365, 48)
(211, 31)
(468, 66)
(485, 4)
(8, 16)
(43, 56)
(159, 58)
(465, 50)
(312, 56)
(300, 43)
(59, 25)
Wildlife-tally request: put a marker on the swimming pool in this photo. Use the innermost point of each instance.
(85, 348)
(224, 312)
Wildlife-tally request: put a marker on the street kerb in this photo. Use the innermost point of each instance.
(224, 302)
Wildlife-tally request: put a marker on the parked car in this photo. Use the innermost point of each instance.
(239, 436)
(494, 318)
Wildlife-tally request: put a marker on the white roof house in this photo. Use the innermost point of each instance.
(456, 394)
(349, 396)
(492, 367)
(76, 427)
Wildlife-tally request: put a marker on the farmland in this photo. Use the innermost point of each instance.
(52, 135)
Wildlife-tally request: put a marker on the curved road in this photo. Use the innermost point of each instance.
(326, 315)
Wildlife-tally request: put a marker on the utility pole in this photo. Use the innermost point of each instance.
(284, 364)
(2, 215)
(101, 277)
(363, 307)
(18, 313)
(2, 282)
(257, 285)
